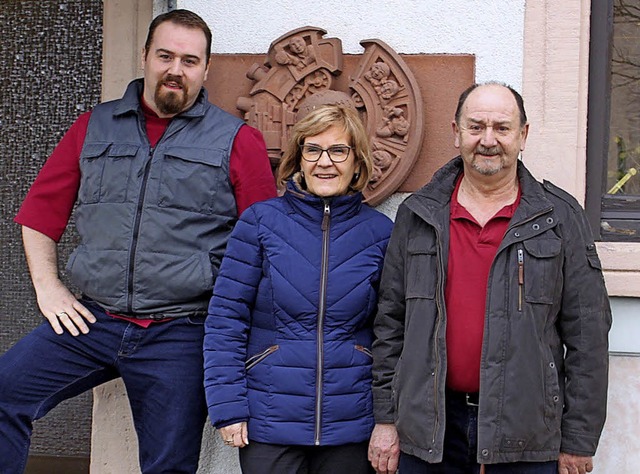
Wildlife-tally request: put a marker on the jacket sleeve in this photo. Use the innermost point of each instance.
(389, 322)
(227, 325)
(584, 323)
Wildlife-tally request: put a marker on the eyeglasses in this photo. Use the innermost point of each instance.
(336, 153)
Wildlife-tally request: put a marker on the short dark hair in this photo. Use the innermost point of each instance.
(185, 18)
(470, 89)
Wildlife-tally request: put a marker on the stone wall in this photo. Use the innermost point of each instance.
(50, 66)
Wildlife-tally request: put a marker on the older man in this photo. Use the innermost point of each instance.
(492, 329)
(160, 177)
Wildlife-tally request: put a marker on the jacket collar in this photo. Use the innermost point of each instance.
(130, 102)
(312, 206)
(435, 196)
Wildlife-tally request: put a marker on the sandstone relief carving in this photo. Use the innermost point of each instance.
(299, 73)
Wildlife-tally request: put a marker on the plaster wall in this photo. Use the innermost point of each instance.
(493, 30)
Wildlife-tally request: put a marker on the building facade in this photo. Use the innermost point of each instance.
(541, 48)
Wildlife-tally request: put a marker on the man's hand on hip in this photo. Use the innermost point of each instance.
(63, 310)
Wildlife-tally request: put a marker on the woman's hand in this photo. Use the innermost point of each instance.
(235, 435)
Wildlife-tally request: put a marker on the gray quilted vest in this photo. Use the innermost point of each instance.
(153, 222)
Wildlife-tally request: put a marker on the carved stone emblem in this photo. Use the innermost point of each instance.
(300, 71)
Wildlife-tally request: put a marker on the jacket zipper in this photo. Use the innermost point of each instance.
(136, 230)
(256, 359)
(324, 271)
(520, 277)
(436, 345)
(364, 350)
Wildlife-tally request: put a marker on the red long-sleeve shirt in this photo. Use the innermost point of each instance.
(49, 203)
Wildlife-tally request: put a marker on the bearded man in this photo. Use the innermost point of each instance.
(160, 177)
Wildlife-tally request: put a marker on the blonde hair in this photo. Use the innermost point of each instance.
(319, 120)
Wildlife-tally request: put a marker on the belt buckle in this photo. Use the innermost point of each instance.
(469, 401)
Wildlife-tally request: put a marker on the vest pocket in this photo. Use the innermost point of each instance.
(105, 168)
(189, 179)
(92, 160)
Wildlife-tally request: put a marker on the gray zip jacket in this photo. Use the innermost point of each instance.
(544, 363)
(153, 222)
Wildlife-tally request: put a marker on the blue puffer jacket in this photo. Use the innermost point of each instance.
(288, 337)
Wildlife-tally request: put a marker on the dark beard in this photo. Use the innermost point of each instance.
(171, 103)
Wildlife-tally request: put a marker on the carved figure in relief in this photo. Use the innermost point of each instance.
(394, 123)
(382, 160)
(299, 54)
(378, 76)
(300, 73)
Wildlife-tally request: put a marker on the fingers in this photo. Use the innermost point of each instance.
(62, 309)
(572, 464)
(384, 449)
(55, 324)
(245, 435)
(71, 318)
(385, 464)
(235, 435)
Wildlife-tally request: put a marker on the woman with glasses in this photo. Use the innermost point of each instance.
(289, 331)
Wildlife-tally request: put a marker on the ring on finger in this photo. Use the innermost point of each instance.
(62, 313)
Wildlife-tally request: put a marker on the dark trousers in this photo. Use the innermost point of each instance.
(262, 458)
(161, 367)
(460, 447)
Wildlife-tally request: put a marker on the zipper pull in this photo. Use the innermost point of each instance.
(520, 277)
(326, 215)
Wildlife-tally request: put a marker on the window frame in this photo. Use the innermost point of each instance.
(621, 210)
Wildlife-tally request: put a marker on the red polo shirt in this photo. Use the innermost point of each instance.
(472, 249)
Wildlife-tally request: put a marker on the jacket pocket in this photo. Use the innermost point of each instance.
(421, 276)
(105, 169)
(592, 257)
(542, 265)
(259, 357)
(189, 179)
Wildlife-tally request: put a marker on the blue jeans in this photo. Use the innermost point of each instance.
(162, 369)
(460, 448)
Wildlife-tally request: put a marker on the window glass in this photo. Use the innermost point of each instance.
(623, 169)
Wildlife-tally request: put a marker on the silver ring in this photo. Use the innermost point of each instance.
(62, 313)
